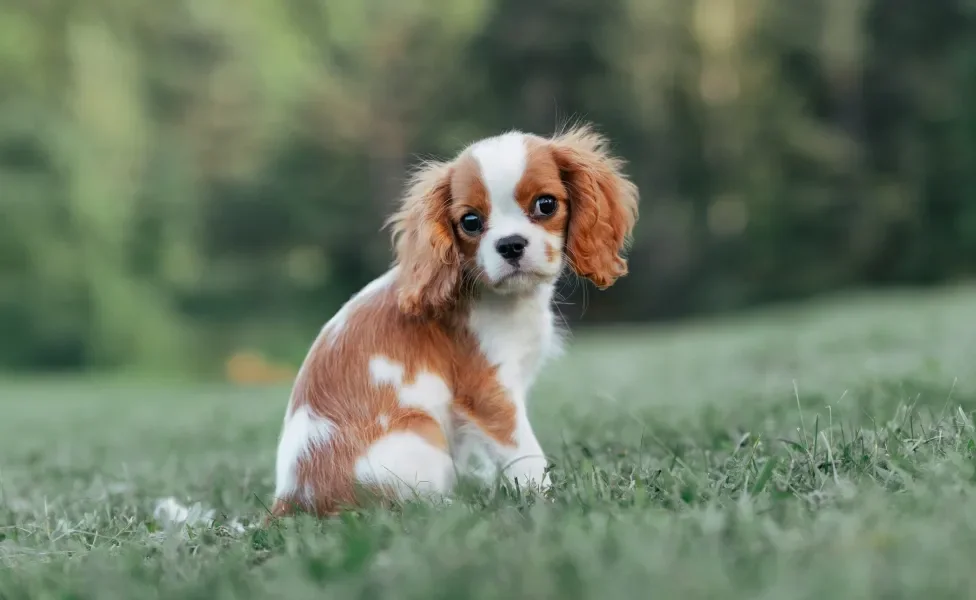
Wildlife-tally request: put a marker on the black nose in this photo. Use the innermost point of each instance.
(511, 247)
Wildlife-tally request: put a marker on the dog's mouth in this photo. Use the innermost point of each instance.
(519, 278)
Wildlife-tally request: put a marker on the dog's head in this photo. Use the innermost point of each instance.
(508, 213)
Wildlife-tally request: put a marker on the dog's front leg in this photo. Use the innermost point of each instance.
(525, 462)
(499, 438)
(518, 453)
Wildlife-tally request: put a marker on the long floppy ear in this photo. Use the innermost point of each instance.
(602, 204)
(423, 238)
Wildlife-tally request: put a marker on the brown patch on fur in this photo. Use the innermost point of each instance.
(493, 412)
(468, 194)
(421, 424)
(467, 189)
(602, 202)
(434, 253)
(550, 252)
(423, 236)
(542, 177)
(335, 383)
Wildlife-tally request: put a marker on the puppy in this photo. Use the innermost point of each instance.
(425, 372)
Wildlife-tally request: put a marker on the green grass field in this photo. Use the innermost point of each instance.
(826, 451)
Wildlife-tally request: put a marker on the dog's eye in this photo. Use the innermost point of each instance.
(471, 223)
(544, 206)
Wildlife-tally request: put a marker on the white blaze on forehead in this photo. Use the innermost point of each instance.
(426, 392)
(502, 160)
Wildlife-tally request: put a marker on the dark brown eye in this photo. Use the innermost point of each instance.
(544, 206)
(471, 224)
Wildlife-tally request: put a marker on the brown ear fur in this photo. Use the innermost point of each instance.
(424, 243)
(603, 205)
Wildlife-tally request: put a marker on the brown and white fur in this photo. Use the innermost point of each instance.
(426, 371)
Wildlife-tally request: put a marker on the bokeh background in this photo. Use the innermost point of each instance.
(195, 186)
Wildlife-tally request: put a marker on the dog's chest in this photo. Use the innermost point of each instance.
(515, 337)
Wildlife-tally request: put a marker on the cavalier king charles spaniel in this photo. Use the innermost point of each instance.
(424, 374)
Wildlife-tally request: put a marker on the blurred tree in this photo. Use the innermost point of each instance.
(185, 180)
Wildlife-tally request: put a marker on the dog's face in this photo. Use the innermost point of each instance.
(508, 213)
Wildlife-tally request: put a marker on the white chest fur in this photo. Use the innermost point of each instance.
(517, 334)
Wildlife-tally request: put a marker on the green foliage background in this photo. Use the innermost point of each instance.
(182, 179)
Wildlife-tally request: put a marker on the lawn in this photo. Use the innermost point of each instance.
(820, 451)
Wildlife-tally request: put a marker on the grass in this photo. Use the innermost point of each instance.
(818, 451)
